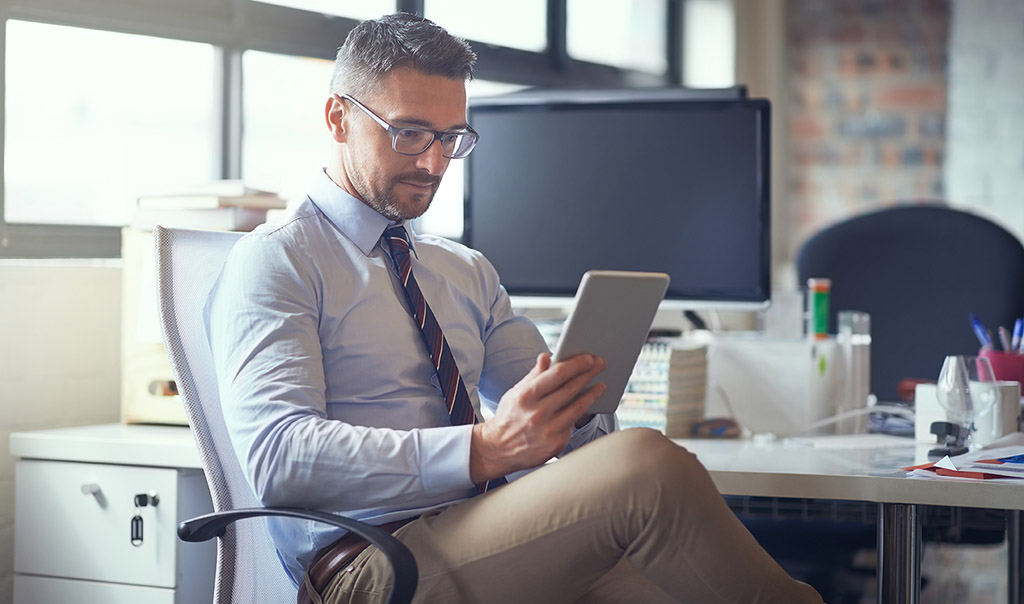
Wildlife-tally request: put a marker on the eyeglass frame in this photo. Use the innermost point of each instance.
(437, 135)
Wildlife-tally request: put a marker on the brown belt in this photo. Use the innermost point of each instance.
(332, 559)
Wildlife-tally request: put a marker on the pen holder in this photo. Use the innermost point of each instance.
(1005, 366)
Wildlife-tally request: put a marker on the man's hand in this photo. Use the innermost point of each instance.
(536, 417)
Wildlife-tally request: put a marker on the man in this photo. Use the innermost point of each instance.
(354, 356)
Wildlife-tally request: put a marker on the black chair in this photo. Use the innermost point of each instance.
(918, 270)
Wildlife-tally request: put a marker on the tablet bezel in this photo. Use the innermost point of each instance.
(611, 317)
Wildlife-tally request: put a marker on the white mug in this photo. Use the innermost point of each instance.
(1001, 419)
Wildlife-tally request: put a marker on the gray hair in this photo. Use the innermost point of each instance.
(377, 46)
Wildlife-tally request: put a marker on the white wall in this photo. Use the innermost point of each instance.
(59, 361)
(985, 141)
(761, 64)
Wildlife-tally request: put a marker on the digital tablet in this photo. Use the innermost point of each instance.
(611, 317)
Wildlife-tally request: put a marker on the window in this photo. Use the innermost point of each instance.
(522, 24)
(709, 44)
(363, 9)
(625, 33)
(284, 135)
(106, 100)
(94, 118)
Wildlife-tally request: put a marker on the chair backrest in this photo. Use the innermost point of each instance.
(919, 270)
(188, 262)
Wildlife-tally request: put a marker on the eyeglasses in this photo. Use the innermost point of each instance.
(414, 141)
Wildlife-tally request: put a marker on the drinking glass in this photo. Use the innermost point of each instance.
(966, 389)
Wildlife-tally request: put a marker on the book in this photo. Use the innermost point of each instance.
(1003, 462)
(216, 194)
(237, 218)
(667, 388)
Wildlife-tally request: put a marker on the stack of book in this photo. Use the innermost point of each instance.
(225, 205)
(687, 388)
(667, 388)
(645, 400)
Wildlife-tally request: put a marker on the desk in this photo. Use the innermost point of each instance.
(76, 487)
(870, 474)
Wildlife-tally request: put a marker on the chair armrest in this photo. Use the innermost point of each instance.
(403, 564)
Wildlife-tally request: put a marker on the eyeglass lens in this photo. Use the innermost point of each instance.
(413, 141)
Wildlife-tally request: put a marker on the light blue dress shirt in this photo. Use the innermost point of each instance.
(329, 395)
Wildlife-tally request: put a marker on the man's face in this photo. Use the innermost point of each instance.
(400, 187)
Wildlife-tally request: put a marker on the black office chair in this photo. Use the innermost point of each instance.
(918, 270)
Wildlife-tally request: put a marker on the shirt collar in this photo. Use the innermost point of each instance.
(359, 222)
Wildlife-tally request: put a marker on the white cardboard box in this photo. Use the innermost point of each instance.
(144, 363)
(776, 385)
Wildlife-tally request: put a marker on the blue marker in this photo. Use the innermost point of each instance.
(1018, 333)
(981, 332)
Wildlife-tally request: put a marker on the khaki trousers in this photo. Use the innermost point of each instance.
(629, 518)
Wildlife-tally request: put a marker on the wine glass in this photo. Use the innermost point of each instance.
(966, 389)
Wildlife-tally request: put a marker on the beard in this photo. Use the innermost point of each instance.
(386, 201)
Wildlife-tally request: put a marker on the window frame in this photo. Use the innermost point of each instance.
(234, 26)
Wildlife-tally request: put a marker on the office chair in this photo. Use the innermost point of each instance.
(248, 567)
(918, 270)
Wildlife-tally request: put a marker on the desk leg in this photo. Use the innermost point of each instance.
(1014, 556)
(899, 553)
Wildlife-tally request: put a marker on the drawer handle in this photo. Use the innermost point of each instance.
(163, 388)
(92, 488)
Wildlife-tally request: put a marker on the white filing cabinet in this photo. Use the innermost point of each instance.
(75, 504)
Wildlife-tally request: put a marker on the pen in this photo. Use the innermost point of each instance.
(1004, 339)
(980, 332)
(1018, 333)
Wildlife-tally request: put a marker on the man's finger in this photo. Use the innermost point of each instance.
(563, 371)
(541, 365)
(579, 405)
(568, 391)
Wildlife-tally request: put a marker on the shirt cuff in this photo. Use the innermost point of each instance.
(599, 425)
(444, 458)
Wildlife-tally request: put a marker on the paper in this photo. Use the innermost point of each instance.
(1006, 462)
(1011, 466)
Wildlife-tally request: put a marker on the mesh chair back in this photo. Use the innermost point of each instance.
(918, 270)
(188, 262)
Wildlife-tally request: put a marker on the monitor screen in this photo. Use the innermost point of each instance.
(559, 187)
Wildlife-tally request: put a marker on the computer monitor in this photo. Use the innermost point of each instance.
(565, 184)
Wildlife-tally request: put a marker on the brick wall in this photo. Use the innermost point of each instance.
(984, 170)
(867, 106)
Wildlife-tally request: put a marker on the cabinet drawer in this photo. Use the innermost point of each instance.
(47, 590)
(74, 520)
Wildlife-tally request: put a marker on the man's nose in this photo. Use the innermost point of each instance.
(432, 159)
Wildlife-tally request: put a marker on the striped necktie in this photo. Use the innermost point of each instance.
(454, 390)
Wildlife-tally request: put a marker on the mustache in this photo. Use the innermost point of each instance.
(419, 178)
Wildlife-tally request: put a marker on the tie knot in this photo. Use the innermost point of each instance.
(398, 239)
(398, 242)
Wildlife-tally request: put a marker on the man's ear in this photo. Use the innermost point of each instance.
(335, 113)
